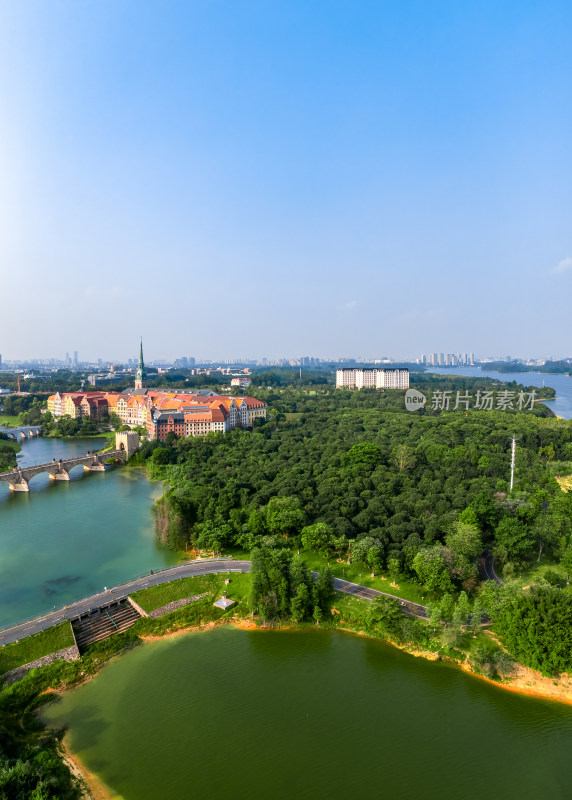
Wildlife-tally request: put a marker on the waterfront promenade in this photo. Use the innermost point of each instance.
(188, 569)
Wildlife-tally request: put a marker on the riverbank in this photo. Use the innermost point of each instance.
(90, 785)
(96, 790)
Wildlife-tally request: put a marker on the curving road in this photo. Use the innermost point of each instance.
(186, 570)
(487, 568)
(414, 609)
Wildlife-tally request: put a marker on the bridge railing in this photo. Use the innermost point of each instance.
(116, 591)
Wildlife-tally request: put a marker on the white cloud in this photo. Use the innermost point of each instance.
(564, 266)
(351, 306)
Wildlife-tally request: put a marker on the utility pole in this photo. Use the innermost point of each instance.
(512, 458)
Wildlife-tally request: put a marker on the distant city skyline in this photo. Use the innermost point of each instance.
(270, 178)
(444, 358)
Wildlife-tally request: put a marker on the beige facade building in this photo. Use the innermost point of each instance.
(372, 379)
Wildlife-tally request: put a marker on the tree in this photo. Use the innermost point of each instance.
(301, 603)
(403, 457)
(316, 537)
(210, 536)
(318, 614)
(270, 583)
(394, 568)
(462, 610)
(339, 544)
(513, 539)
(360, 549)
(545, 532)
(447, 607)
(566, 562)
(476, 614)
(435, 615)
(114, 421)
(257, 522)
(161, 456)
(364, 453)
(324, 588)
(536, 627)
(385, 614)
(66, 426)
(284, 515)
(432, 570)
(374, 558)
(465, 540)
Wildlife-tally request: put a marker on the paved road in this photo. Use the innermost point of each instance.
(487, 568)
(186, 570)
(415, 609)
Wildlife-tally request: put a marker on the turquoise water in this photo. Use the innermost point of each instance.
(281, 715)
(63, 541)
(561, 405)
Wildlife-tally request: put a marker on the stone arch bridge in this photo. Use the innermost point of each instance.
(18, 480)
(22, 432)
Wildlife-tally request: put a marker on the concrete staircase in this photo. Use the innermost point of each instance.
(101, 623)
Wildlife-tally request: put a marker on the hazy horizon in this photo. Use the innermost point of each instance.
(288, 179)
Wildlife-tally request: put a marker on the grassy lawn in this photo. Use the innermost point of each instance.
(8, 421)
(351, 572)
(535, 572)
(359, 574)
(237, 553)
(157, 596)
(15, 446)
(36, 646)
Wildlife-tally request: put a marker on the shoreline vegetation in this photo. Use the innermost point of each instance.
(353, 477)
(526, 682)
(347, 614)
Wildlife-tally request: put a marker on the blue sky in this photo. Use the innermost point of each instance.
(286, 178)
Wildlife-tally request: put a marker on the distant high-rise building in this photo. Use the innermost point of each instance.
(75, 358)
(472, 358)
(372, 379)
(67, 359)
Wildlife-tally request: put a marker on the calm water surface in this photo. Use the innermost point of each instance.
(562, 405)
(282, 715)
(63, 541)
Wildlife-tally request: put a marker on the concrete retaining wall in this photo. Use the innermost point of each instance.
(67, 654)
(185, 601)
(134, 604)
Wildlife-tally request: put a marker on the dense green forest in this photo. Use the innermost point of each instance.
(353, 475)
(363, 468)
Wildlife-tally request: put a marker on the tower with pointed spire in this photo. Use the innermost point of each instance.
(140, 375)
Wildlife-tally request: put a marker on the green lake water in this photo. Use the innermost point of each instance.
(63, 541)
(312, 714)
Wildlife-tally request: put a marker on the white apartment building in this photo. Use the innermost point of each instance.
(372, 379)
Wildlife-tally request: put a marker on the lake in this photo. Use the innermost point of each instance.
(561, 405)
(311, 714)
(63, 541)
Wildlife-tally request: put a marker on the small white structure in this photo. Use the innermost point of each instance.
(224, 602)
